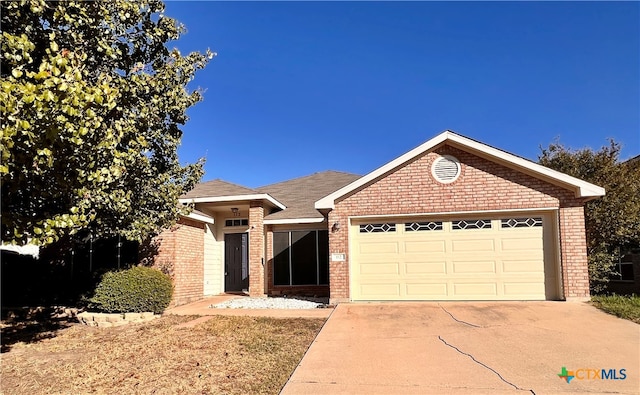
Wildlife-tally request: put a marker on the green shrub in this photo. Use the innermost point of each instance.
(601, 268)
(133, 290)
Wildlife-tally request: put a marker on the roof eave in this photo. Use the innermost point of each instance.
(200, 218)
(591, 193)
(234, 198)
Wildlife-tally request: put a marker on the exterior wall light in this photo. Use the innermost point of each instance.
(336, 226)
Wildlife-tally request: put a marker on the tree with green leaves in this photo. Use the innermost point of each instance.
(92, 102)
(613, 221)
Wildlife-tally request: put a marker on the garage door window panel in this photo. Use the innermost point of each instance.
(531, 222)
(378, 228)
(423, 226)
(471, 224)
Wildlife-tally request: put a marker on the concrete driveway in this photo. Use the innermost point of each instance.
(469, 348)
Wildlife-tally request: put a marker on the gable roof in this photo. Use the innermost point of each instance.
(581, 188)
(300, 194)
(223, 191)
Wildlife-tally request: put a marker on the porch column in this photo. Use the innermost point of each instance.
(256, 249)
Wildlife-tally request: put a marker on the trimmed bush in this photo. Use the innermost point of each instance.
(134, 290)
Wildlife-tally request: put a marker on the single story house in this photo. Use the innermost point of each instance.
(452, 219)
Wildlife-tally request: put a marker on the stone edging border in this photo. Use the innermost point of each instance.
(106, 320)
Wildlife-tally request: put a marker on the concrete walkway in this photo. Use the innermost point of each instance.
(468, 348)
(202, 308)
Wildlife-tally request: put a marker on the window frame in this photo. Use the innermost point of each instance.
(290, 261)
(619, 264)
(236, 219)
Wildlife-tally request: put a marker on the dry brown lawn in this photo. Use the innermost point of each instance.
(224, 355)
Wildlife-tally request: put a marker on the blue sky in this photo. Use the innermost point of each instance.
(301, 87)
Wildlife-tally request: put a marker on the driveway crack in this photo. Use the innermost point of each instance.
(483, 365)
(457, 320)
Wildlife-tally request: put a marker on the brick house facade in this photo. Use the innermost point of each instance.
(181, 255)
(305, 236)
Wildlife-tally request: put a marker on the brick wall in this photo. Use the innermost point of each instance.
(256, 249)
(316, 291)
(482, 186)
(181, 255)
(573, 252)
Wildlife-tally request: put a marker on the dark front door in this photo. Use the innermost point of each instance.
(236, 262)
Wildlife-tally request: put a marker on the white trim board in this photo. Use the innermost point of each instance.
(200, 218)
(293, 221)
(457, 213)
(218, 199)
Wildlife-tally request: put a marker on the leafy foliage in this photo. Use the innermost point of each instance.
(91, 101)
(611, 221)
(134, 290)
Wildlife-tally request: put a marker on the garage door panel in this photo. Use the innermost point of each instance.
(425, 268)
(474, 267)
(424, 246)
(376, 291)
(380, 268)
(522, 289)
(530, 266)
(434, 290)
(488, 263)
(378, 248)
(522, 244)
(476, 290)
(466, 245)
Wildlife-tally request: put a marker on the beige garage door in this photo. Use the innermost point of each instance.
(477, 258)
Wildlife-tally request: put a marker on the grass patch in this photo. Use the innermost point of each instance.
(226, 354)
(627, 307)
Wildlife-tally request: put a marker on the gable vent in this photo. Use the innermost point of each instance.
(446, 169)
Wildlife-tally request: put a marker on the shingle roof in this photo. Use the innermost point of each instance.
(300, 194)
(218, 188)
